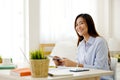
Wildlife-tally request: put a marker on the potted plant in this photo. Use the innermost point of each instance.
(39, 64)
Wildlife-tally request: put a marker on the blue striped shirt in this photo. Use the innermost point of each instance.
(93, 53)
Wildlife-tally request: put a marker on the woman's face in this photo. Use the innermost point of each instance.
(81, 26)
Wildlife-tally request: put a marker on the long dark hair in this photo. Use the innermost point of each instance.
(91, 30)
(91, 26)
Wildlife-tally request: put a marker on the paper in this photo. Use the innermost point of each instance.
(56, 72)
(59, 74)
(65, 71)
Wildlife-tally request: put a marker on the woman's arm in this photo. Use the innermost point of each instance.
(70, 63)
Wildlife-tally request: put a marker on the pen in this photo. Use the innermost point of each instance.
(50, 74)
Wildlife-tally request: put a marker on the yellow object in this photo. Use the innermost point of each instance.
(39, 68)
(0, 59)
(52, 66)
(47, 48)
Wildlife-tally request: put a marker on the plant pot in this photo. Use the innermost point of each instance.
(39, 68)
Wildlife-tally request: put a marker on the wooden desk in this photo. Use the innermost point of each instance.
(86, 75)
(118, 72)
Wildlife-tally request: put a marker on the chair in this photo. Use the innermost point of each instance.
(47, 48)
(114, 67)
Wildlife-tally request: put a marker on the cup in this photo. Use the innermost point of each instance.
(7, 61)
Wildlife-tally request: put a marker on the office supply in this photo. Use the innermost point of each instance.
(20, 72)
(60, 71)
(59, 74)
(7, 66)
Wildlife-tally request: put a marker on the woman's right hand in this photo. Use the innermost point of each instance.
(58, 61)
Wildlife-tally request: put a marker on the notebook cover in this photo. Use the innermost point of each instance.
(21, 72)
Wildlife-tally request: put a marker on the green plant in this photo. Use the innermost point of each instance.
(37, 54)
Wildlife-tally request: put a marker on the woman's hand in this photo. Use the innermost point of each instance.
(68, 63)
(58, 61)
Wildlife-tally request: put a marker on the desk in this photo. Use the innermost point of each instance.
(93, 74)
(118, 72)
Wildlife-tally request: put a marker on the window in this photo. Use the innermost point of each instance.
(13, 26)
(57, 18)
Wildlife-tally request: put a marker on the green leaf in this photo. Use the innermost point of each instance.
(37, 54)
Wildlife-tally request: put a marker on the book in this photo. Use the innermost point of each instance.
(7, 66)
(21, 72)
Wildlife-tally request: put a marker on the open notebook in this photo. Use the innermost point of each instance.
(56, 72)
(65, 71)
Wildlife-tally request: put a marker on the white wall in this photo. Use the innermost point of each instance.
(103, 16)
(116, 19)
(114, 39)
(33, 24)
(108, 20)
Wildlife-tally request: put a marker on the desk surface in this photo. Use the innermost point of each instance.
(5, 75)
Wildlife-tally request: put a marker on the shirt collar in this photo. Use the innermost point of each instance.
(89, 42)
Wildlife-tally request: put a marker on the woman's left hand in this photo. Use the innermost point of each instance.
(68, 63)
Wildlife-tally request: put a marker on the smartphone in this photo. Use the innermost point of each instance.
(78, 70)
(55, 58)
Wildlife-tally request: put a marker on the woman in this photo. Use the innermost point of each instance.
(92, 49)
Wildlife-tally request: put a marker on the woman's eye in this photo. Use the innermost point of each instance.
(76, 25)
(81, 23)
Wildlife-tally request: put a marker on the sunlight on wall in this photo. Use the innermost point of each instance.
(57, 18)
(12, 29)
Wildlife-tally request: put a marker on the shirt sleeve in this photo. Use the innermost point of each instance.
(101, 56)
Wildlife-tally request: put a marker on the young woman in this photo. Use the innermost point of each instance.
(92, 49)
